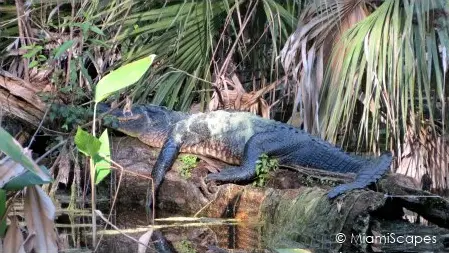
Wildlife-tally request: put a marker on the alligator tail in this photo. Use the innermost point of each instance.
(370, 173)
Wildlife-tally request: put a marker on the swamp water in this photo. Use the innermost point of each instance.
(188, 235)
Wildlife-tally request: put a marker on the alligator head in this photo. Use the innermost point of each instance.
(140, 120)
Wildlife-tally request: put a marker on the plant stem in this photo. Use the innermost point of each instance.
(93, 203)
(92, 186)
(3, 212)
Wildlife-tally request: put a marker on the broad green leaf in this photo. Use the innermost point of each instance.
(61, 49)
(102, 165)
(87, 143)
(27, 179)
(14, 150)
(2, 213)
(122, 77)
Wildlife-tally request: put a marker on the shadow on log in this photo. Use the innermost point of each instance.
(287, 215)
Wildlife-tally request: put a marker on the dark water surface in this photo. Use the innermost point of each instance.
(186, 234)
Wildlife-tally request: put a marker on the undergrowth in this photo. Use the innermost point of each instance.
(264, 166)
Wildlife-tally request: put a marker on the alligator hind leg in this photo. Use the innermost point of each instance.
(369, 173)
(256, 146)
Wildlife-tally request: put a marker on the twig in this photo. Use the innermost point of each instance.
(39, 127)
(20, 23)
(242, 29)
(112, 206)
(98, 212)
(137, 174)
(188, 74)
(51, 150)
(208, 204)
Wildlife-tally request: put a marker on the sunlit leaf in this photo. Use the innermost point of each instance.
(102, 159)
(87, 143)
(122, 77)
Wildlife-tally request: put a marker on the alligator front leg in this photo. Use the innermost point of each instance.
(165, 160)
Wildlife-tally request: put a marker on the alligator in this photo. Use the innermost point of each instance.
(239, 139)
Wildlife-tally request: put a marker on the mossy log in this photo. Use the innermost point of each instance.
(286, 214)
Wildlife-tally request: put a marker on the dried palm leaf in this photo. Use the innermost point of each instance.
(39, 215)
(307, 51)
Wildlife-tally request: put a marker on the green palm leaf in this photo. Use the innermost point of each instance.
(392, 66)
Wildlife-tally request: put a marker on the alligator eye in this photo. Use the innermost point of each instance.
(127, 113)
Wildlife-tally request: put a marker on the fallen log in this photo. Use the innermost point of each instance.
(19, 98)
(285, 214)
(433, 208)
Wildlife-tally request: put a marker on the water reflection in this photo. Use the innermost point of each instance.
(171, 234)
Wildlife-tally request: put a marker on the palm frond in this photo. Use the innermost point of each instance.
(392, 77)
(306, 52)
(186, 35)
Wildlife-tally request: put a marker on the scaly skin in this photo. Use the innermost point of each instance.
(239, 138)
